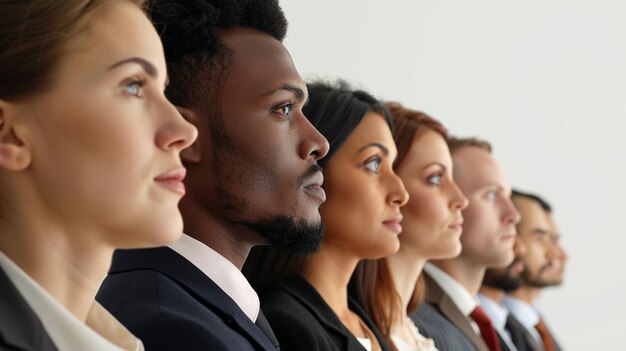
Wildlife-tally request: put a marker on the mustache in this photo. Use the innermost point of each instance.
(309, 172)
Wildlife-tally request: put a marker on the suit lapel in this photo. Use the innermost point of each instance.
(264, 325)
(201, 287)
(438, 297)
(20, 328)
(520, 336)
(306, 294)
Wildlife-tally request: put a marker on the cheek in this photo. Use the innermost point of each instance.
(352, 216)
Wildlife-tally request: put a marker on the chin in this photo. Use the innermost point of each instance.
(387, 249)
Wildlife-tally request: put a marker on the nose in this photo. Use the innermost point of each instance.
(510, 214)
(397, 196)
(313, 145)
(458, 200)
(519, 248)
(174, 132)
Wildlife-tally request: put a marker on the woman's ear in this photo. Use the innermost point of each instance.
(193, 153)
(14, 154)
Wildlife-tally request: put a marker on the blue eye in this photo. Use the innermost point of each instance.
(134, 87)
(373, 164)
(491, 195)
(435, 179)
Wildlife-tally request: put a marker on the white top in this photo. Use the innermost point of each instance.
(498, 315)
(462, 298)
(100, 332)
(220, 270)
(366, 342)
(423, 344)
(526, 314)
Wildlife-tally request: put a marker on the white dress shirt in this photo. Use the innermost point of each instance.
(526, 314)
(498, 315)
(100, 332)
(220, 270)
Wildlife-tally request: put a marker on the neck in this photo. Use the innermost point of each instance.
(232, 241)
(329, 271)
(527, 294)
(469, 274)
(69, 264)
(406, 267)
(492, 293)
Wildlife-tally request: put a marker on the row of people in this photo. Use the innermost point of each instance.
(344, 198)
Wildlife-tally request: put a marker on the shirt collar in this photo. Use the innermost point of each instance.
(496, 312)
(463, 300)
(220, 270)
(525, 313)
(99, 332)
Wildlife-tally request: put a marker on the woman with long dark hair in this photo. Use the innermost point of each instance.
(389, 288)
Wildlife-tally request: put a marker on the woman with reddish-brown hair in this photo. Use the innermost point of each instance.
(89, 162)
(390, 288)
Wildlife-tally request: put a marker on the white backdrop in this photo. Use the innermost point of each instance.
(544, 81)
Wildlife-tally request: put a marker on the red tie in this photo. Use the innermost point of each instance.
(486, 329)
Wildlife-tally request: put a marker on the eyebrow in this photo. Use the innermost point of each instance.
(378, 145)
(435, 164)
(147, 66)
(540, 231)
(295, 90)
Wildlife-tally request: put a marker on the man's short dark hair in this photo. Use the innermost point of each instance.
(543, 203)
(196, 56)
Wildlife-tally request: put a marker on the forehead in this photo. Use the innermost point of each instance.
(372, 129)
(475, 169)
(119, 30)
(428, 147)
(259, 62)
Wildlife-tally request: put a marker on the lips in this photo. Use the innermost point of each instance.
(314, 186)
(173, 180)
(508, 236)
(457, 226)
(394, 223)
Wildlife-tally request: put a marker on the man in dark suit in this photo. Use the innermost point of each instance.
(487, 239)
(496, 283)
(253, 179)
(544, 263)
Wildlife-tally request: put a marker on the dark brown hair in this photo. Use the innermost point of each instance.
(372, 282)
(33, 39)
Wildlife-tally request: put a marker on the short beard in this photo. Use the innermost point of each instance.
(535, 281)
(289, 234)
(503, 280)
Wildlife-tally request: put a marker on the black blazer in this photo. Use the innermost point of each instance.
(303, 321)
(171, 305)
(20, 328)
(520, 336)
(439, 318)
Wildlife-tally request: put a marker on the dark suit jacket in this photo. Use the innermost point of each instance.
(303, 321)
(453, 331)
(20, 328)
(171, 305)
(520, 336)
